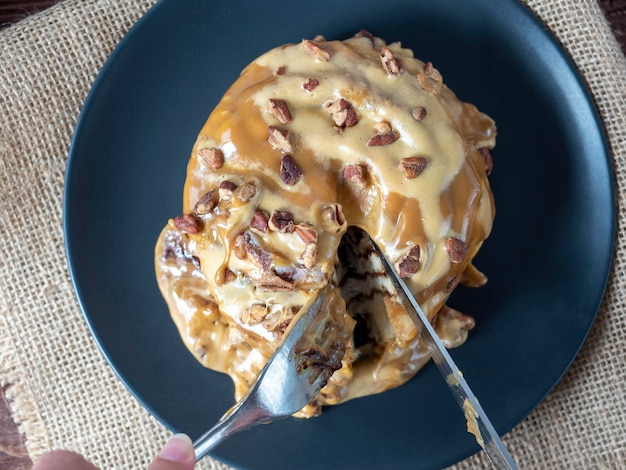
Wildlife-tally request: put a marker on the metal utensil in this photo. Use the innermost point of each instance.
(477, 421)
(284, 386)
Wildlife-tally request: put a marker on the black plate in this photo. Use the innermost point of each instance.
(548, 257)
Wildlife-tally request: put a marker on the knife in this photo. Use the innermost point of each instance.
(477, 421)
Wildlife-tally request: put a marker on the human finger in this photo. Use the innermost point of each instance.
(177, 454)
(63, 460)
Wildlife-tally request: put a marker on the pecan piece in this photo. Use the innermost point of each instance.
(486, 154)
(226, 190)
(431, 72)
(254, 314)
(270, 281)
(243, 247)
(366, 34)
(306, 233)
(426, 84)
(280, 111)
(456, 249)
(409, 264)
(390, 63)
(452, 283)
(188, 223)
(280, 70)
(309, 255)
(382, 127)
(239, 245)
(413, 166)
(259, 221)
(281, 221)
(212, 156)
(206, 203)
(229, 276)
(315, 51)
(355, 174)
(342, 112)
(419, 113)
(334, 212)
(310, 84)
(246, 192)
(290, 173)
(383, 139)
(279, 139)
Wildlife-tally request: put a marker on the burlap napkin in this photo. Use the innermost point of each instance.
(63, 393)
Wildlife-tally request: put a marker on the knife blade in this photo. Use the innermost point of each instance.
(477, 421)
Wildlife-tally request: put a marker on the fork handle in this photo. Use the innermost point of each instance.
(235, 420)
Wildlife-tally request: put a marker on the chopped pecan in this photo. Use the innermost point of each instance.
(281, 70)
(306, 233)
(335, 213)
(452, 283)
(279, 320)
(409, 264)
(315, 51)
(390, 63)
(206, 203)
(426, 84)
(309, 256)
(366, 34)
(279, 139)
(239, 245)
(419, 113)
(382, 127)
(355, 174)
(342, 112)
(254, 314)
(229, 276)
(226, 190)
(280, 111)
(383, 139)
(456, 249)
(310, 84)
(431, 72)
(270, 281)
(259, 221)
(486, 154)
(246, 192)
(212, 156)
(244, 247)
(188, 223)
(413, 166)
(281, 221)
(290, 173)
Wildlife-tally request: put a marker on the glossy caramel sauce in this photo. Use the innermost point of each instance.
(233, 285)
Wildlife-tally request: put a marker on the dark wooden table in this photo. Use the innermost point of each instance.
(13, 455)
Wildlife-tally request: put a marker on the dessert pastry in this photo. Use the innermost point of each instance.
(316, 147)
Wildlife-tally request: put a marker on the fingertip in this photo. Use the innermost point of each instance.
(62, 460)
(178, 454)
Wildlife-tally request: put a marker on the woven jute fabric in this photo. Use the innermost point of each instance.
(62, 392)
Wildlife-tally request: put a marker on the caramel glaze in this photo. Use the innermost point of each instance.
(233, 286)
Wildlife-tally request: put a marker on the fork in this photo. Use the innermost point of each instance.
(292, 377)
